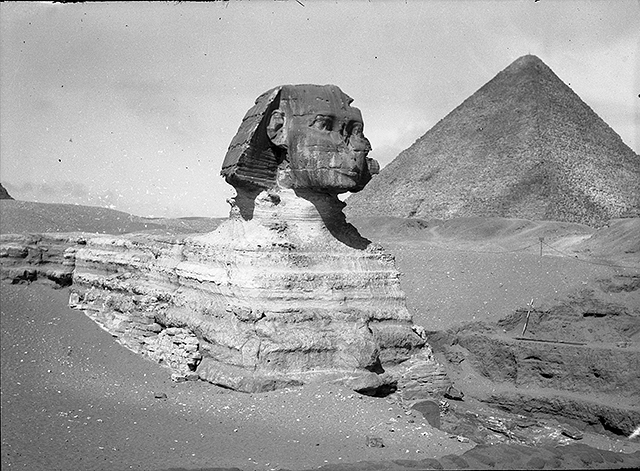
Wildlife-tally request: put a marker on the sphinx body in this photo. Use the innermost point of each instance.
(285, 291)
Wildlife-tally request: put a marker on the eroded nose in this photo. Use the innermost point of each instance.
(360, 144)
(373, 165)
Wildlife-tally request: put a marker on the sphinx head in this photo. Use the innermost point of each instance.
(301, 137)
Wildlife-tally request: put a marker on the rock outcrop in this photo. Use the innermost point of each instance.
(576, 359)
(523, 146)
(282, 293)
(27, 257)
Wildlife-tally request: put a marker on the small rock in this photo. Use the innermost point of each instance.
(178, 377)
(374, 442)
(571, 432)
(454, 394)
(462, 439)
(74, 300)
(154, 327)
(525, 422)
(160, 395)
(192, 376)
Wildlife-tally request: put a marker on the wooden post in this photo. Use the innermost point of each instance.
(526, 322)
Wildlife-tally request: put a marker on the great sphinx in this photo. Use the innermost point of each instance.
(285, 291)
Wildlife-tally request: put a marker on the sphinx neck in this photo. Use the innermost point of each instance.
(301, 214)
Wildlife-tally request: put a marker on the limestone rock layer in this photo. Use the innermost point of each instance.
(272, 301)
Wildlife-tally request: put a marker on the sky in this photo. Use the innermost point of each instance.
(132, 105)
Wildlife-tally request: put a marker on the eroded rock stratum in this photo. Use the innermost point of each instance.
(285, 291)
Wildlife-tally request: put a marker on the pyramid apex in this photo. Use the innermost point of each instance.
(528, 58)
(526, 62)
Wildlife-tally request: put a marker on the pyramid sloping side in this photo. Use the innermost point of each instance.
(523, 146)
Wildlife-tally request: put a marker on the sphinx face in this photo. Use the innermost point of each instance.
(301, 136)
(323, 138)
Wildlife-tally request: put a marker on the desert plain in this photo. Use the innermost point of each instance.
(75, 399)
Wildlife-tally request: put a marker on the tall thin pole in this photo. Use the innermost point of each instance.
(526, 322)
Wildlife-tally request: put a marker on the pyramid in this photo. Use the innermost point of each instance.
(523, 146)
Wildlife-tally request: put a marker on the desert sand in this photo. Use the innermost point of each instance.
(74, 399)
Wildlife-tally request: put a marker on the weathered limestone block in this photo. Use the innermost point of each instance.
(27, 257)
(421, 377)
(175, 347)
(125, 285)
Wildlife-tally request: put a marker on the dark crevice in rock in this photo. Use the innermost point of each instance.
(383, 390)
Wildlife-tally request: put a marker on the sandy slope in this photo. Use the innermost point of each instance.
(482, 269)
(452, 286)
(73, 399)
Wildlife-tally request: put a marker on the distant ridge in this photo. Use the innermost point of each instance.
(523, 146)
(4, 194)
(18, 217)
